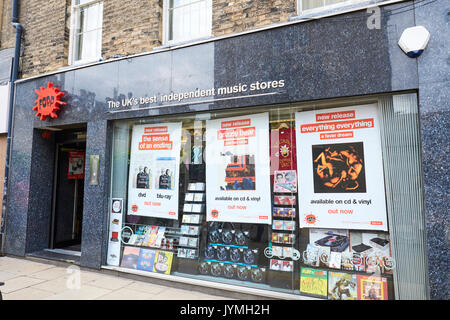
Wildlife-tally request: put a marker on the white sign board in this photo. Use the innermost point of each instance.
(340, 169)
(238, 169)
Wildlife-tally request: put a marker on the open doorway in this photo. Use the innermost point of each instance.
(68, 192)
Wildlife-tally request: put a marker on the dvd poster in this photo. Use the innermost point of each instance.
(313, 281)
(163, 262)
(372, 287)
(130, 257)
(146, 259)
(238, 169)
(154, 170)
(340, 161)
(341, 286)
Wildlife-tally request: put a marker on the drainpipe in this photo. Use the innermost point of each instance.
(13, 78)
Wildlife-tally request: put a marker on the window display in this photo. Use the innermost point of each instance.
(274, 198)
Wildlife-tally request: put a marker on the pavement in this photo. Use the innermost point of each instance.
(30, 280)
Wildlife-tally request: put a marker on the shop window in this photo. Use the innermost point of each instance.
(86, 31)
(305, 199)
(306, 6)
(187, 19)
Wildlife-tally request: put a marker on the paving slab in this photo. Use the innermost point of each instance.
(126, 294)
(25, 280)
(84, 293)
(18, 283)
(28, 294)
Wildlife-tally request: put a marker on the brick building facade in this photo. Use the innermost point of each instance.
(130, 27)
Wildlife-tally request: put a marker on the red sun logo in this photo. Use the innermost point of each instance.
(48, 102)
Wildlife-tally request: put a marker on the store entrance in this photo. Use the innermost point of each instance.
(68, 191)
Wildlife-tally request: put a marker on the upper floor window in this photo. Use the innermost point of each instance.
(187, 19)
(86, 31)
(306, 6)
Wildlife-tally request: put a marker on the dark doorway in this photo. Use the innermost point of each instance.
(68, 191)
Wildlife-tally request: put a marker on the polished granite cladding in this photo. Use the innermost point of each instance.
(94, 235)
(41, 187)
(331, 57)
(434, 101)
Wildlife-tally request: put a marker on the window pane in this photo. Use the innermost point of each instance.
(88, 45)
(81, 2)
(92, 17)
(189, 19)
(313, 4)
(286, 255)
(88, 37)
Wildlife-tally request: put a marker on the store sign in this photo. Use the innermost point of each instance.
(341, 182)
(48, 102)
(199, 95)
(238, 169)
(154, 170)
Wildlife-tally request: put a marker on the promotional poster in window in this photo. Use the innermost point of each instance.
(238, 169)
(340, 169)
(154, 170)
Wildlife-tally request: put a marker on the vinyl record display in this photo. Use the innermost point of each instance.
(216, 270)
(235, 255)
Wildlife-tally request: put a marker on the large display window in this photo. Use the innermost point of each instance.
(288, 198)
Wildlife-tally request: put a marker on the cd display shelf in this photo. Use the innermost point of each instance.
(281, 253)
(151, 237)
(194, 209)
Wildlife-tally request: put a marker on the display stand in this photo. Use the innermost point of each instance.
(193, 217)
(281, 251)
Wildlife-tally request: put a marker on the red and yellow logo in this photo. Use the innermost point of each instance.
(48, 102)
(310, 219)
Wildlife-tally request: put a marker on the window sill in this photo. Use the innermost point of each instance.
(339, 9)
(81, 63)
(182, 42)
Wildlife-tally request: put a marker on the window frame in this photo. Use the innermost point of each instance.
(166, 24)
(74, 27)
(301, 11)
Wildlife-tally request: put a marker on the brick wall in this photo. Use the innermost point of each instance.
(7, 32)
(131, 27)
(243, 15)
(45, 40)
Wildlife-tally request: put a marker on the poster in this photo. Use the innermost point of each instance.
(372, 287)
(163, 262)
(314, 281)
(130, 257)
(282, 149)
(154, 170)
(238, 169)
(76, 165)
(146, 259)
(341, 286)
(340, 169)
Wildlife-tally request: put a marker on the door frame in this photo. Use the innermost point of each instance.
(58, 145)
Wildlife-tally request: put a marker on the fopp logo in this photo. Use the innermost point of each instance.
(214, 213)
(48, 102)
(310, 219)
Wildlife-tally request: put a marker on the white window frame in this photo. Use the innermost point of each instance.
(166, 19)
(74, 24)
(300, 10)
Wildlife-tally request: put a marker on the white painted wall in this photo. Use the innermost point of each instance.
(4, 107)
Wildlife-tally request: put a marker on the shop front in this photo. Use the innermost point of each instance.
(273, 163)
